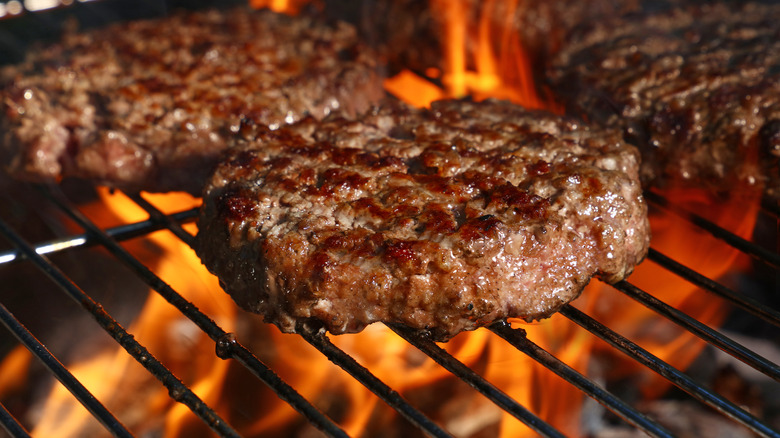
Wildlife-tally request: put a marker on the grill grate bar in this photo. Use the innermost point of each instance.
(323, 344)
(517, 338)
(466, 374)
(704, 332)
(732, 239)
(744, 302)
(333, 353)
(370, 381)
(119, 233)
(178, 390)
(652, 428)
(673, 375)
(62, 374)
(11, 425)
(227, 347)
(170, 223)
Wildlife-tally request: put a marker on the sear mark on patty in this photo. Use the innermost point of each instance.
(151, 104)
(490, 211)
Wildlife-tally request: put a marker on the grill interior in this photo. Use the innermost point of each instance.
(763, 316)
(42, 270)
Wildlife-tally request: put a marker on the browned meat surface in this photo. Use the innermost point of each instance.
(150, 104)
(444, 220)
(697, 89)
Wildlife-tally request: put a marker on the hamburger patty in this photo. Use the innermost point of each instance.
(443, 220)
(696, 88)
(150, 104)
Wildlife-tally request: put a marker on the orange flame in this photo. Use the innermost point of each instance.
(188, 352)
(291, 7)
(481, 65)
(476, 62)
(686, 243)
(484, 58)
(167, 334)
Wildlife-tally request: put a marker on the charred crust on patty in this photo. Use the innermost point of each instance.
(151, 104)
(489, 211)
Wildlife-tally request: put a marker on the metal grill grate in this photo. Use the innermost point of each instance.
(227, 347)
(108, 239)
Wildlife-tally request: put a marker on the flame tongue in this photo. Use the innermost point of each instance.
(189, 353)
(682, 241)
(291, 7)
(484, 57)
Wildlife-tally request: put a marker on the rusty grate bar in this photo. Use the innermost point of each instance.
(171, 223)
(367, 379)
(176, 228)
(228, 347)
(323, 344)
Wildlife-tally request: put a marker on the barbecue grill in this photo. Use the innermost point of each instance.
(53, 203)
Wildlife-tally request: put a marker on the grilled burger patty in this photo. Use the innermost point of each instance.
(697, 88)
(150, 104)
(444, 219)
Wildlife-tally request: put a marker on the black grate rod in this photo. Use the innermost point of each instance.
(11, 425)
(232, 348)
(459, 369)
(744, 302)
(85, 240)
(228, 347)
(704, 332)
(517, 338)
(62, 374)
(170, 223)
(673, 375)
(370, 381)
(178, 390)
(761, 254)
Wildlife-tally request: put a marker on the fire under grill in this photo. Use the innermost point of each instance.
(750, 299)
(228, 347)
